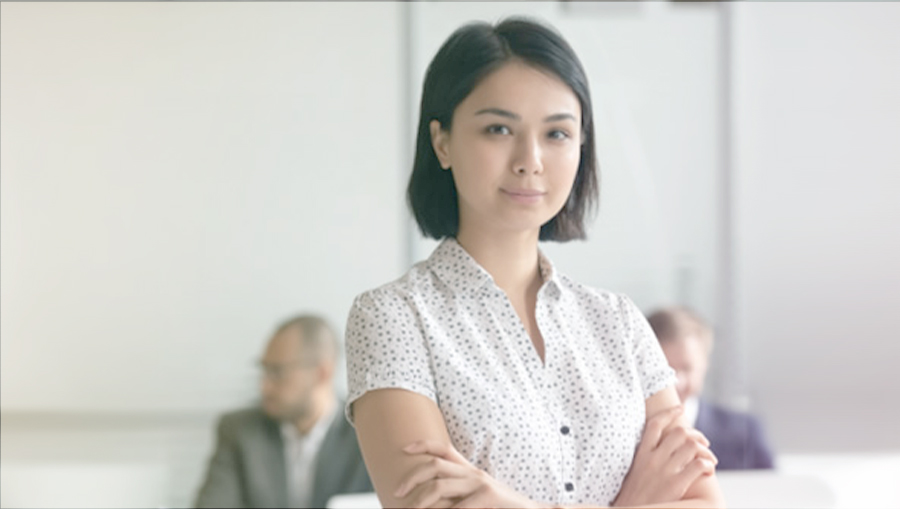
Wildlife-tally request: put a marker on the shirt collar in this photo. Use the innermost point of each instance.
(691, 410)
(549, 274)
(290, 433)
(459, 271)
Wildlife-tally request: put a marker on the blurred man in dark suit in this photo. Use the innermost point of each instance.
(737, 439)
(297, 449)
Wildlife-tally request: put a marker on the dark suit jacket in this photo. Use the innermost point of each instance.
(248, 466)
(735, 438)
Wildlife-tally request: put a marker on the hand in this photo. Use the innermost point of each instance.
(668, 460)
(449, 480)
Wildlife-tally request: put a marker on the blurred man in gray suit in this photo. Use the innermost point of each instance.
(298, 449)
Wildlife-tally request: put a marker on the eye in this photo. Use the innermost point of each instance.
(558, 135)
(497, 129)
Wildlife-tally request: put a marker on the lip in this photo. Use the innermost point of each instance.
(524, 195)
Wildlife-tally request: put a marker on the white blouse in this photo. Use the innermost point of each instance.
(560, 432)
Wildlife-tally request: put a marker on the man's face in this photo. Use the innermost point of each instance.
(689, 358)
(289, 377)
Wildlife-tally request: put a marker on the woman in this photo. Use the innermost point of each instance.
(484, 378)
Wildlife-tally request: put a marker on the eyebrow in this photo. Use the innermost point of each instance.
(510, 115)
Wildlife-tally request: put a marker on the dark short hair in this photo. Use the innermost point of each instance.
(469, 55)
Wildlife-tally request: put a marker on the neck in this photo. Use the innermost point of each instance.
(322, 403)
(510, 258)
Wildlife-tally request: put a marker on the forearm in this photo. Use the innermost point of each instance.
(687, 504)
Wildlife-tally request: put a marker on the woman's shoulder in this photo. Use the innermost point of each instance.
(592, 296)
(401, 290)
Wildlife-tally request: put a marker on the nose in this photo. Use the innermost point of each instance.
(527, 159)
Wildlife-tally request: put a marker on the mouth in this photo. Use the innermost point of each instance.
(524, 195)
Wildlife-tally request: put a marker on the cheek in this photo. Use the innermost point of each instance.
(561, 173)
(477, 166)
(564, 165)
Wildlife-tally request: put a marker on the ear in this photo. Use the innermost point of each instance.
(440, 141)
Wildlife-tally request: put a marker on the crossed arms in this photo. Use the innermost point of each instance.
(412, 463)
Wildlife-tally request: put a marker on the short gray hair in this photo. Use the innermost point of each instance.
(319, 339)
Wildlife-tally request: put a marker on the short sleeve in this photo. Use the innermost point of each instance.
(385, 348)
(652, 366)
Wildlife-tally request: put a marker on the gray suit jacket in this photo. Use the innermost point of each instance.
(248, 466)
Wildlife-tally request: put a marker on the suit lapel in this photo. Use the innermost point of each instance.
(273, 451)
(331, 466)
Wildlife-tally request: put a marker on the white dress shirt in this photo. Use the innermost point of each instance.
(691, 410)
(562, 431)
(300, 452)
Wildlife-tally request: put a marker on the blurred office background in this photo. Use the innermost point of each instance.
(178, 177)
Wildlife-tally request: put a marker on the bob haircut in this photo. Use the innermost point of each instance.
(469, 55)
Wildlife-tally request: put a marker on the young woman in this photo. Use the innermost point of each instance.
(483, 377)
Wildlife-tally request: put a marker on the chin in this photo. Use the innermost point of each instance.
(271, 411)
(526, 220)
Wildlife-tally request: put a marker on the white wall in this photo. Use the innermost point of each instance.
(817, 118)
(177, 178)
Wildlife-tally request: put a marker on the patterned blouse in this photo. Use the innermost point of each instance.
(562, 431)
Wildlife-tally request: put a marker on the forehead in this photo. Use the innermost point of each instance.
(286, 345)
(522, 89)
(687, 349)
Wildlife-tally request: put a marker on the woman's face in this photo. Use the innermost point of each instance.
(514, 149)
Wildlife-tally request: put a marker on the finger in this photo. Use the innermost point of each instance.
(655, 426)
(676, 436)
(443, 503)
(700, 433)
(672, 439)
(694, 470)
(435, 448)
(671, 444)
(684, 455)
(707, 454)
(433, 492)
(431, 469)
(694, 434)
(475, 500)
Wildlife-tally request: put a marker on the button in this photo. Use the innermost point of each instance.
(564, 430)
(570, 486)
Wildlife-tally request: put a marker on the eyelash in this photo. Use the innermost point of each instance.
(495, 128)
(556, 134)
